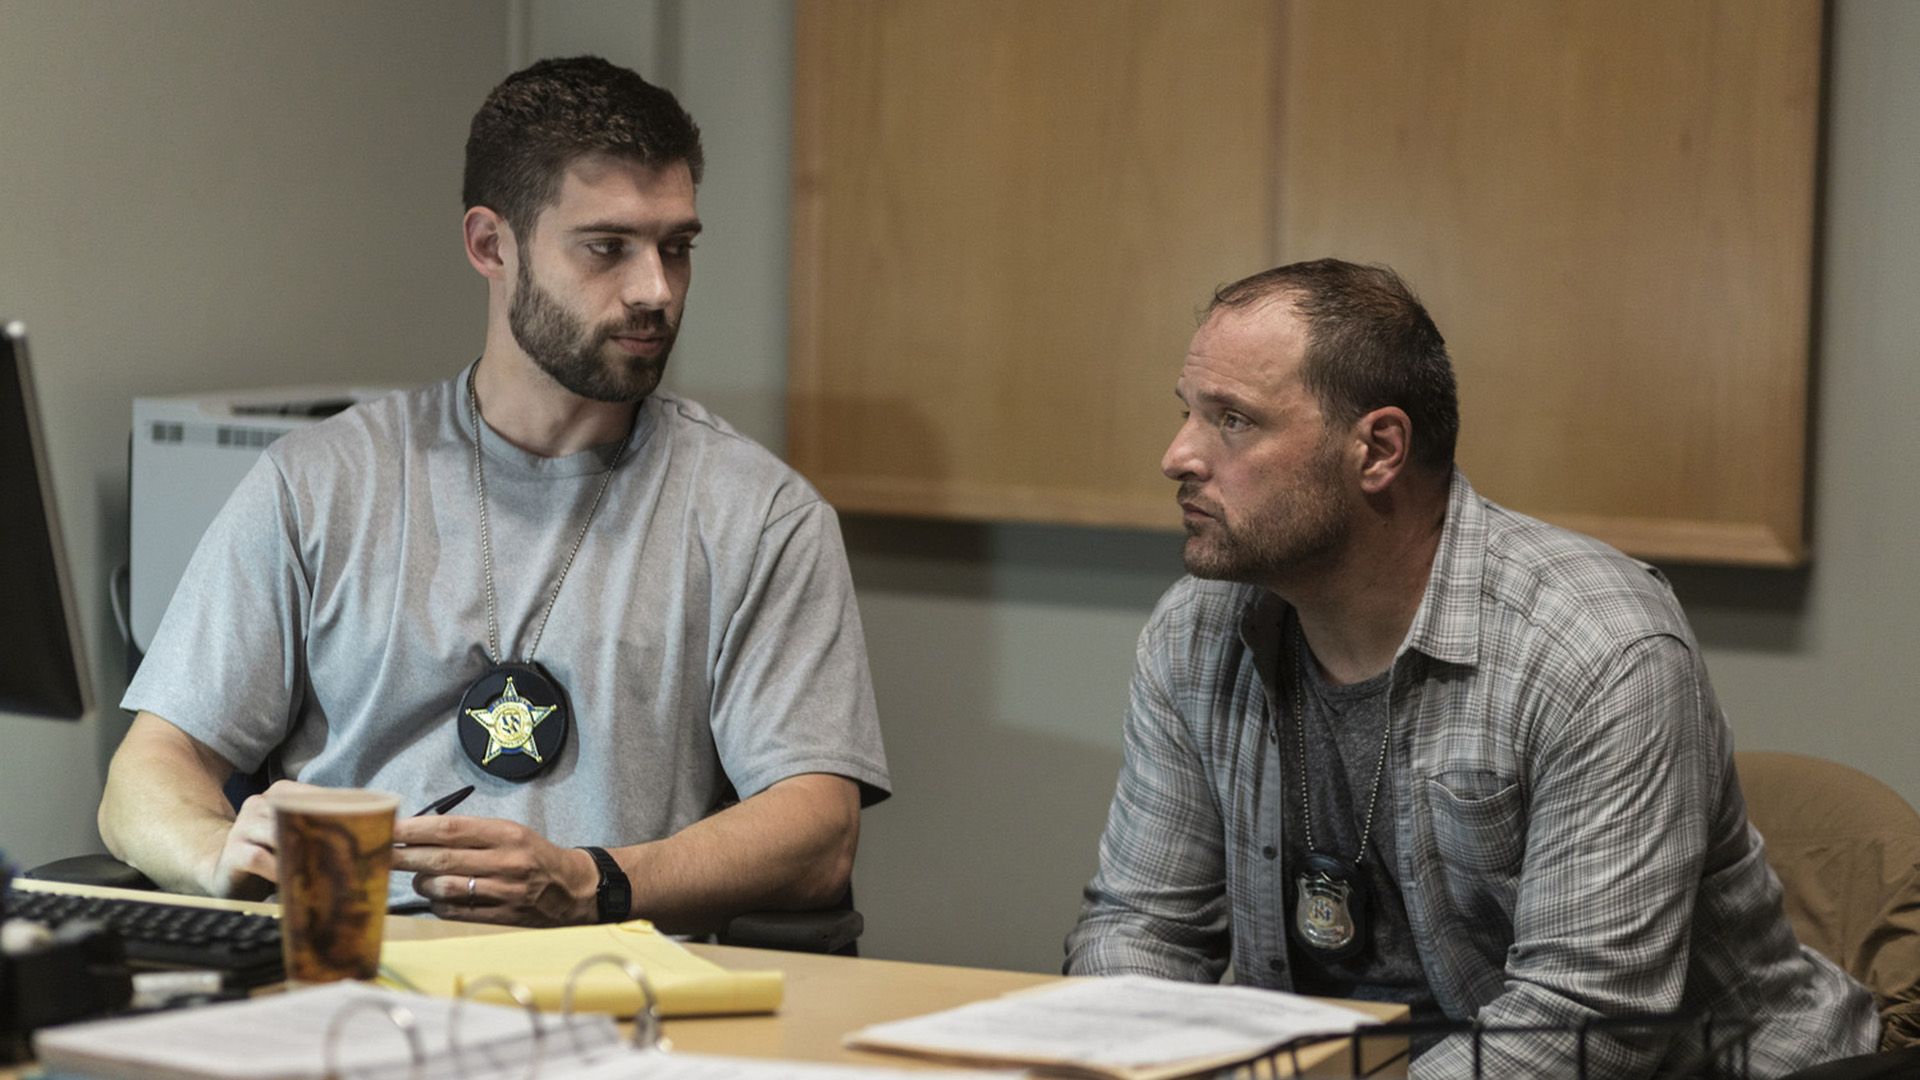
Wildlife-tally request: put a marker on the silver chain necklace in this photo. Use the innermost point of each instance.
(1331, 901)
(486, 540)
(513, 720)
(1300, 739)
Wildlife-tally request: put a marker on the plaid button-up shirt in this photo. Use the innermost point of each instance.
(1571, 838)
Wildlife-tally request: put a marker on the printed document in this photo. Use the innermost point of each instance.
(1124, 1026)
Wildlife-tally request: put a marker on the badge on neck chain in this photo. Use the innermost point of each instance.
(513, 721)
(1330, 898)
(1330, 908)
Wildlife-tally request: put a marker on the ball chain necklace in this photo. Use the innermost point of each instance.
(1331, 908)
(513, 720)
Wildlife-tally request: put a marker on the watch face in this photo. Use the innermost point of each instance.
(615, 904)
(614, 897)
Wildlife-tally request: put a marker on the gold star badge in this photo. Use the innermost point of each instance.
(510, 721)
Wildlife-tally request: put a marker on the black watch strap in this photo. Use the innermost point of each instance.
(615, 895)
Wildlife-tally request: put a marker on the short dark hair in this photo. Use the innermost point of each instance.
(540, 119)
(1370, 344)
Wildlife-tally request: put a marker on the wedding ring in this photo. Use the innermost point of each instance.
(472, 883)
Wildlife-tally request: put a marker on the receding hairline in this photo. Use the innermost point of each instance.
(1281, 300)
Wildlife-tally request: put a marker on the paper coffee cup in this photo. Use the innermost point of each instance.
(335, 847)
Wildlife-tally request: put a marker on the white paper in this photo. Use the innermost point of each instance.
(677, 1066)
(1128, 1021)
(283, 1037)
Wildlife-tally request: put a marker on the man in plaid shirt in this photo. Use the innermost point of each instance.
(1392, 741)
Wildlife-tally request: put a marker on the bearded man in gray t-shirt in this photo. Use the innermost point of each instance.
(597, 603)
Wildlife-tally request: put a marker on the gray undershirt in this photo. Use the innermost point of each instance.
(1344, 726)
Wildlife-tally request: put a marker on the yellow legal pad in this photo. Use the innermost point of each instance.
(686, 984)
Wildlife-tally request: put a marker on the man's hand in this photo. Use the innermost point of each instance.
(247, 866)
(490, 870)
(164, 813)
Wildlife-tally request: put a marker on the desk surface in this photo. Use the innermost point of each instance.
(826, 996)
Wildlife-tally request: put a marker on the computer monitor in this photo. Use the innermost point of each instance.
(42, 665)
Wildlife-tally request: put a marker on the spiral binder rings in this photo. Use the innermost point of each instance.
(354, 1031)
(647, 1036)
(332, 1032)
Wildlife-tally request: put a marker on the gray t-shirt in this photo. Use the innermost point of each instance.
(1343, 729)
(707, 634)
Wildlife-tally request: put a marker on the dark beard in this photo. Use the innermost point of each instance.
(1257, 555)
(1298, 530)
(578, 358)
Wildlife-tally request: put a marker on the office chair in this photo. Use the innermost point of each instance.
(1846, 848)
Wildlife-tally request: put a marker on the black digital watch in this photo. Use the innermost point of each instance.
(615, 894)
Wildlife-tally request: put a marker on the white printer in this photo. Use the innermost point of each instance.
(188, 455)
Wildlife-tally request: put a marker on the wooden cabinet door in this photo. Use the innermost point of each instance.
(1007, 212)
(1005, 215)
(1609, 210)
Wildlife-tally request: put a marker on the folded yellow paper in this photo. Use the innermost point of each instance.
(686, 984)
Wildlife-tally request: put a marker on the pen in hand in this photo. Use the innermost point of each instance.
(438, 806)
(445, 802)
(441, 805)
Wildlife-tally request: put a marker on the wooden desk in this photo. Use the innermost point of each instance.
(826, 996)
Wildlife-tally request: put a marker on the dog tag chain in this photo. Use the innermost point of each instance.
(513, 720)
(1331, 903)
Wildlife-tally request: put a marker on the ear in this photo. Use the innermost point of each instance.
(489, 242)
(1386, 439)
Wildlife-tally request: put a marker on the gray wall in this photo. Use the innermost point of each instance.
(209, 195)
(261, 231)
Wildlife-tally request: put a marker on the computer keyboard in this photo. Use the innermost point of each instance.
(243, 947)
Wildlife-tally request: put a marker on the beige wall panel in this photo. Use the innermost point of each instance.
(1005, 213)
(1610, 210)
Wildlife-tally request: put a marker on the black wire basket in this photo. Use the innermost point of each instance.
(1695, 1047)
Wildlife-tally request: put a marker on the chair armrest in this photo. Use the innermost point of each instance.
(833, 930)
(91, 870)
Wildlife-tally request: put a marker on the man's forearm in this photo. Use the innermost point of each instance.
(163, 811)
(789, 847)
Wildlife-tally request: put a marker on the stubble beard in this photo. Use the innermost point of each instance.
(584, 360)
(1297, 528)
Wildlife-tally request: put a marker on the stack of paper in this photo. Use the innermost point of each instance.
(284, 1037)
(1127, 1027)
(541, 959)
(708, 1067)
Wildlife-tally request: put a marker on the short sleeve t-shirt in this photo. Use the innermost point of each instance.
(1340, 731)
(706, 636)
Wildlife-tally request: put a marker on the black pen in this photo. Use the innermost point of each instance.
(438, 806)
(445, 802)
